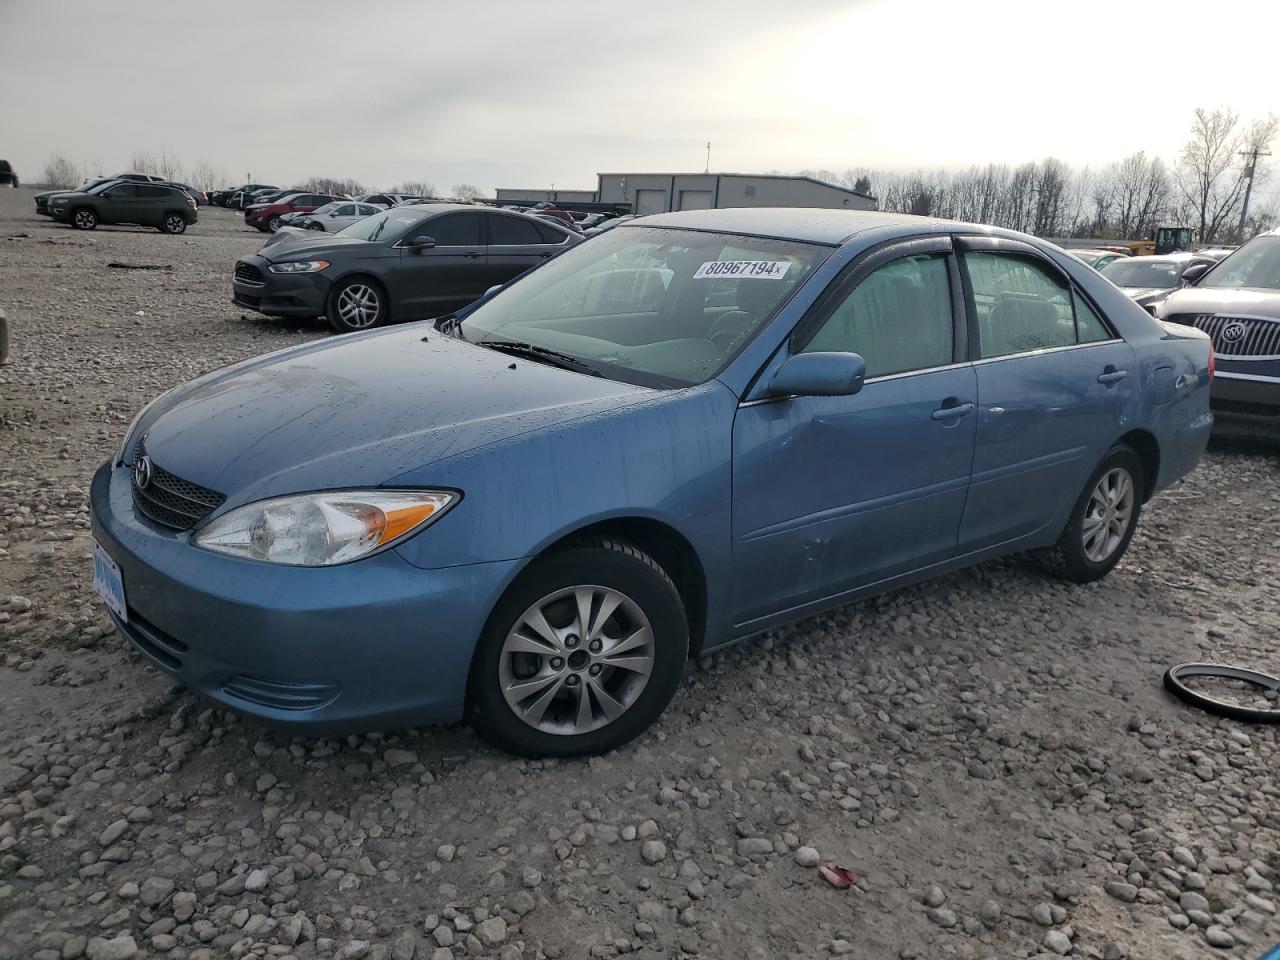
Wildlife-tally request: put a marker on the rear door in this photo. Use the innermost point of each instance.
(437, 280)
(1053, 382)
(517, 243)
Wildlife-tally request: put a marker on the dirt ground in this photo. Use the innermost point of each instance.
(992, 753)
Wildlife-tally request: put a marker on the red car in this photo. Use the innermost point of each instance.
(266, 216)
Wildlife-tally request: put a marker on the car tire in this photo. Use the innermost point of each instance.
(84, 219)
(316, 226)
(355, 304)
(273, 225)
(174, 223)
(548, 718)
(1103, 520)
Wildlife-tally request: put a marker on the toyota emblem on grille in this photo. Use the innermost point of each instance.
(142, 471)
(1233, 332)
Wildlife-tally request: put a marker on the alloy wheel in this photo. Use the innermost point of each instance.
(576, 660)
(175, 224)
(358, 306)
(1107, 515)
(85, 219)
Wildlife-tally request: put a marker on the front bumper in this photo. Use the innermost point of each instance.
(374, 644)
(301, 295)
(1246, 394)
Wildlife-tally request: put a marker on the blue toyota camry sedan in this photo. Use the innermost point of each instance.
(683, 432)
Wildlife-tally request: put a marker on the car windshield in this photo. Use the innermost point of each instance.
(99, 186)
(1155, 274)
(327, 208)
(380, 226)
(661, 308)
(1256, 265)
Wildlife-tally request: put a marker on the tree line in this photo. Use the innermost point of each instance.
(1204, 188)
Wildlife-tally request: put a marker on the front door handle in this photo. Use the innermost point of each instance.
(952, 410)
(1111, 375)
(472, 256)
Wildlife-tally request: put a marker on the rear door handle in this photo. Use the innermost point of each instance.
(1112, 375)
(954, 411)
(472, 256)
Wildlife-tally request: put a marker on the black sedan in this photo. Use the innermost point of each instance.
(407, 263)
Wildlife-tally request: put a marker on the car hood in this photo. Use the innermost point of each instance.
(360, 412)
(1255, 302)
(288, 246)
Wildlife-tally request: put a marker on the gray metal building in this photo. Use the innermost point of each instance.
(664, 192)
(517, 195)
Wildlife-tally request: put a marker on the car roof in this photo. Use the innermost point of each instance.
(802, 224)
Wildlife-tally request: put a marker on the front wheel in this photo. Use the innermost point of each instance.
(273, 224)
(357, 304)
(316, 226)
(84, 219)
(1102, 522)
(174, 223)
(581, 655)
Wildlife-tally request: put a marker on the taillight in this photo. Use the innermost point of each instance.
(1213, 361)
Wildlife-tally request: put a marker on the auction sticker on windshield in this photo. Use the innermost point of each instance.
(108, 582)
(755, 269)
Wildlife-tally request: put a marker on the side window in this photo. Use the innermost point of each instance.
(453, 230)
(366, 209)
(1021, 304)
(346, 210)
(155, 193)
(1089, 326)
(122, 191)
(512, 231)
(550, 234)
(899, 318)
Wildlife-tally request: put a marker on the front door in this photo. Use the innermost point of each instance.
(831, 494)
(437, 280)
(1053, 381)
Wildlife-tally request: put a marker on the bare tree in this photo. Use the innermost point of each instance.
(205, 176)
(348, 187)
(1133, 195)
(467, 191)
(1209, 175)
(143, 161)
(418, 188)
(168, 165)
(60, 171)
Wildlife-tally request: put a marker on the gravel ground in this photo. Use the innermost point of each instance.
(991, 753)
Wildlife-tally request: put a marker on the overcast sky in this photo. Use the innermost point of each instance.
(527, 93)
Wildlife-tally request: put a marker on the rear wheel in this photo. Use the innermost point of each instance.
(84, 219)
(357, 304)
(581, 655)
(1103, 520)
(174, 223)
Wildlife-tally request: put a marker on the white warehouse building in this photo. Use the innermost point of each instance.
(663, 192)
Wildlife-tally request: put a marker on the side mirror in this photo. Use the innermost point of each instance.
(422, 242)
(1194, 273)
(819, 375)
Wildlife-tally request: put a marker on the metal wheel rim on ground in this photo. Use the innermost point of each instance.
(1107, 515)
(576, 660)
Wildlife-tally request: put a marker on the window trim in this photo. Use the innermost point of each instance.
(968, 243)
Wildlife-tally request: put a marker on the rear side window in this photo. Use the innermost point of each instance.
(512, 231)
(550, 234)
(1021, 305)
(898, 319)
(453, 230)
(155, 193)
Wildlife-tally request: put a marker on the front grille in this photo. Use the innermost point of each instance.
(245, 300)
(1252, 338)
(171, 501)
(155, 643)
(248, 273)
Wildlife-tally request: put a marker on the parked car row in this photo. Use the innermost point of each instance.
(718, 422)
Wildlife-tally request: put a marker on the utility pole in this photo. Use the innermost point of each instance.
(1249, 172)
(708, 167)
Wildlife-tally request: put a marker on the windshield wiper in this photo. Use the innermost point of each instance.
(542, 354)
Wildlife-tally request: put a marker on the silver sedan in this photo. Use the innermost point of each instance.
(333, 217)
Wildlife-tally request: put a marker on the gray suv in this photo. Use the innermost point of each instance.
(165, 207)
(1237, 302)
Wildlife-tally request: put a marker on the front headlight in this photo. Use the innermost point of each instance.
(322, 529)
(299, 266)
